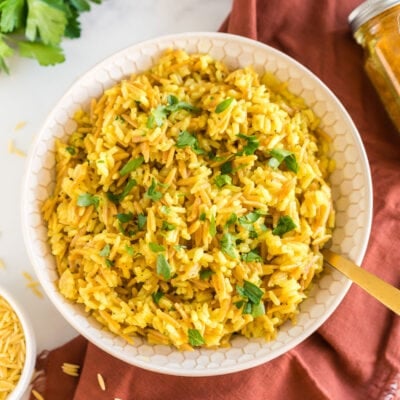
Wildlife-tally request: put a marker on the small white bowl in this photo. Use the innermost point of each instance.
(30, 345)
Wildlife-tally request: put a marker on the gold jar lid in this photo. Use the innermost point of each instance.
(367, 10)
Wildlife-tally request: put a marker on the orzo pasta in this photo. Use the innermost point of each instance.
(12, 349)
(190, 204)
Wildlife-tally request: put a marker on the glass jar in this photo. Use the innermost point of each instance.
(376, 27)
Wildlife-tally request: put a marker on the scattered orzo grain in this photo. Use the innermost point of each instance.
(101, 382)
(12, 349)
(70, 369)
(32, 284)
(12, 149)
(190, 204)
(37, 395)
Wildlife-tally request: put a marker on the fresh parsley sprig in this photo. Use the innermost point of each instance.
(43, 25)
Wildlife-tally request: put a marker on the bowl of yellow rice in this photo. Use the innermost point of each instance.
(17, 348)
(178, 196)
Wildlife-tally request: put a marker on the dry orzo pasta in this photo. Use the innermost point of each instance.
(190, 204)
(12, 349)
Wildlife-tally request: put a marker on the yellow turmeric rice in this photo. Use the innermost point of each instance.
(190, 204)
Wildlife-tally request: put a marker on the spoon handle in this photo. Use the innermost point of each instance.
(376, 287)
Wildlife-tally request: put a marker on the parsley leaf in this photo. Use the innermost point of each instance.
(223, 105)
(162, 266)
(109, 263)
(226, 168)
(71, 150)
(156, 296)
(5, 51)
(205, 273)
(251, 256)
(228, 245)
(156, 248)
(195, 338)
(87, 199)
(202, 216)
(37, 27)
(186, 139)
(282, 155)
(166, 226)
(129, 250)
(152, 192)
(222, 180)
(251, 146)
(12, 14)
(231, 220)
(105, 252)
(250, 291)
(212, 229)
(116, 198)
(46, 21)
(131, 165)
(142, 219)
(285, 224)
(157, 116)
(125, 217)
(44, 54)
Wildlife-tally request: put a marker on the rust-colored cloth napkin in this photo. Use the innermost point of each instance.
(355, 355)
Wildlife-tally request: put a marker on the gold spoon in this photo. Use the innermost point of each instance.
(376, 287)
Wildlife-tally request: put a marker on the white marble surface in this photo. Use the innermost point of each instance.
(28, 94)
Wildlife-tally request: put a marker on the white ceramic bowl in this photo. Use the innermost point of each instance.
(351, 182)
(30, 344)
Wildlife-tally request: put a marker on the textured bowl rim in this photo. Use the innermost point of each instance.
(274, 353)
(30, 343)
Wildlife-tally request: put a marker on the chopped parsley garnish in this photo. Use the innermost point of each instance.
(179, 247)
(141, 221)
(105, 252)
(281, 155)
(161, 113)
(125, 217)
(152, 192)
(87, 199)
(251, 256)
(205, 273)
(131, 165)
(251, 145)
(212, 229)
(157, 116)
(223, 105)
(175, 105)
(195, 338)
(222, 180)
(166, 226)
(202, 216)
(71, 150)
(249, 218)
(109, 263)
(156, 296)
(231, 220)
(285, 224)
(129, 250)
(186, 139)
(116, 198)
(156, 248)
(228, 245)
(226, 168)
(252, 295)
(162, 266)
